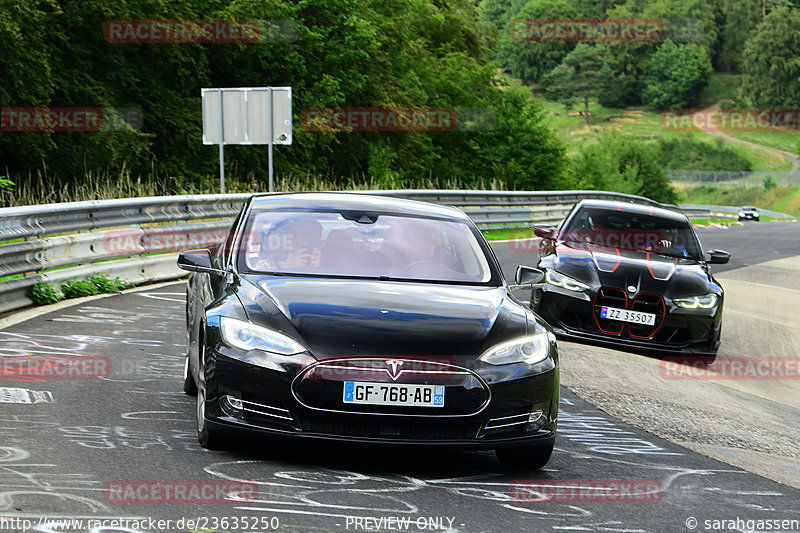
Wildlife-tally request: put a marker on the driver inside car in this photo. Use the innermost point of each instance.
(291, 243)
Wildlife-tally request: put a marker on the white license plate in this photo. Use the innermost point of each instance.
(625, 315)
(376, 393)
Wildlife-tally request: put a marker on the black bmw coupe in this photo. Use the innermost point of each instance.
(362, 318)
(632, 275)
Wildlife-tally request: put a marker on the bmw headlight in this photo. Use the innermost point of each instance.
(246, 336)
(697, 302)
(531, 349)
(565, 282)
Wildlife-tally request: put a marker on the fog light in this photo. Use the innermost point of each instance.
(536, 420)
(232, 406)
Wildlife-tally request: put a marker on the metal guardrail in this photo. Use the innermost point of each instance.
(135, 239)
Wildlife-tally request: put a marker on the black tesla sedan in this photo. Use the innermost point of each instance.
(362, 318)
(632, 275)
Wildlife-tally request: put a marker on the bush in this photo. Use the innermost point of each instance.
(769, 182)
(107, 285)
(620, 164)
(76, 288)
(43, 294)
(688, 154)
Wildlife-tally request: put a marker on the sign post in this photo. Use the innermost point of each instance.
(247, 115)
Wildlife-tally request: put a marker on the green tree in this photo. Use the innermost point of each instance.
(530, 60)
(618, 163)
(741, 19)
(683, 21)
(583, 74)
(771, 70)
(675, 76)
(345, 53)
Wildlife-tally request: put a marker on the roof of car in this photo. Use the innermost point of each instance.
(355, 201)
(633, 208)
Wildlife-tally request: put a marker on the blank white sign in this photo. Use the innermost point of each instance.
(245, 115)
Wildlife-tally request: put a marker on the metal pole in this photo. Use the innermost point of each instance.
(271, 133)
(221, 144)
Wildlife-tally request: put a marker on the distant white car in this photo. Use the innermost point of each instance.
(749, 213)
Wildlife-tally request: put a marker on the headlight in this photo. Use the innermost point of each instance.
(741, 213)
(697, 302)
(247, 336)
(565, 282)
(531, 349)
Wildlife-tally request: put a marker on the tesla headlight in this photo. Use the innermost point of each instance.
(565, 282)
(531, 349)
(246, 336)
(697, 302)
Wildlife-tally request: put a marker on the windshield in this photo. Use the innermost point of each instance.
(362, 245)
(632, 231)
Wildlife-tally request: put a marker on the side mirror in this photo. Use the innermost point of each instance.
(528, 276)
(545, 231)
(718, 257)
(197, 261)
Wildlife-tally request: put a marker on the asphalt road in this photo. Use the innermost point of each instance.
(95, 447)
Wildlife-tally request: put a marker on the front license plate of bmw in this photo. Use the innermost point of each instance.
(402, 394)
(626, 315)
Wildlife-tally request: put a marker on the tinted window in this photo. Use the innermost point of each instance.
(367, 245)
(632, 231)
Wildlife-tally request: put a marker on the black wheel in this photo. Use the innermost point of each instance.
(189, 386)
(207, 437)
(532, 457)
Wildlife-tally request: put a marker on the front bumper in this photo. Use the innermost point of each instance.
(269, 405)
(677, 331)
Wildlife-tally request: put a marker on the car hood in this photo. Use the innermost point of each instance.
(647, 272)
(346, 317)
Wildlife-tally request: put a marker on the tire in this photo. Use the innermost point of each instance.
(531, 457)
(189, 386)
(206, 436)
